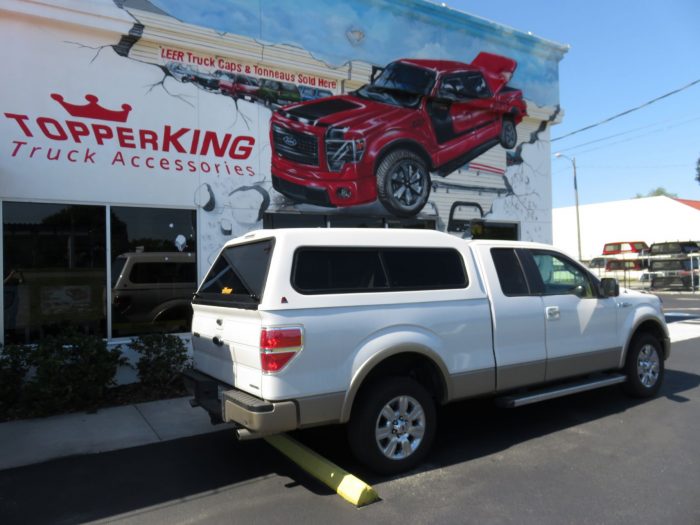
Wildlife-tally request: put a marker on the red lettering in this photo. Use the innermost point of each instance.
(18, 145)
(20, 121)
(55, 157)
(172, 139)
(34, 150)
(212, 139)
(241, 148)
(238, 170)
(195, 142)
(201, 166)
(89, 157)
(191, 166)
(71, 155)
(58, 133)
(102, 132)
(165, 164)
(126, 137)
(250, 170)
(178, 165)
(149, 162)
(118, 158)
(134, 161)
(148, 137)
(77, 130)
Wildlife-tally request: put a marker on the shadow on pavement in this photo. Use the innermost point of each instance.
(86, 488)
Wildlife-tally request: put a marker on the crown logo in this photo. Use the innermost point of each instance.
(93, 110)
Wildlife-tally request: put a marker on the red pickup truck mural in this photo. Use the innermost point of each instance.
(383, 140)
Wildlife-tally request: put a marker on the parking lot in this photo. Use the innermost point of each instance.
(597, 457)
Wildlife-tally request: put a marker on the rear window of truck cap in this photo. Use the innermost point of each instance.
(237, 277)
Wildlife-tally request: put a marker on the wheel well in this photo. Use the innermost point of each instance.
(407, 145)
(416, 366)
(652, 328)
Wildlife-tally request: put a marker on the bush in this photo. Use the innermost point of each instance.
(163, 357)
(71, 372)
(14, 368)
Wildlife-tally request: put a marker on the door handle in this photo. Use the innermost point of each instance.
(552, 313)
(624, 305)
(217, 341)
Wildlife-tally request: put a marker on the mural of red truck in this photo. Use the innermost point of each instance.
(383, 140)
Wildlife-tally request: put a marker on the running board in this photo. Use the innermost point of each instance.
(527, 398)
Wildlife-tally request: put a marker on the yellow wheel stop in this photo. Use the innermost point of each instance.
(345, 484)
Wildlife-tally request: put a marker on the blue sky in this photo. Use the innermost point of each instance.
(623, 53)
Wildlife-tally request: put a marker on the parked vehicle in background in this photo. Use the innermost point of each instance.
(376, 328)
(674, 273)
(181, 72)
(311, 93)
(239, 86)
(208, 81)
(673, 249)
(152, 292)
(274, 92)
(625, 250)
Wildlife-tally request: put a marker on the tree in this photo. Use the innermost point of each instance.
(697, 170)
(661, 191)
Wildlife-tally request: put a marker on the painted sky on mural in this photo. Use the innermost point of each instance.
(623, 53)
(335, 31)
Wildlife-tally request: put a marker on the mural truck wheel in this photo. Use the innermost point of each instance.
(403, 183)
(509, 136)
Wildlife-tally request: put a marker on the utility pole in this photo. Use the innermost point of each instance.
(578, 221)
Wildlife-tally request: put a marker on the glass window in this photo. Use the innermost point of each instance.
(561, 276)
(510, 273)
(338, 271)
(237, 277)
(424, 268)
(54, 270)
(153, 270)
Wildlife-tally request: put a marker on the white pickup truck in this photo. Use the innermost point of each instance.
(376, 327)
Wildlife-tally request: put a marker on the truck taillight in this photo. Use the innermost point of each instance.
(278, 346)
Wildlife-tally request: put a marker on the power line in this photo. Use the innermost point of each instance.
(627, 112)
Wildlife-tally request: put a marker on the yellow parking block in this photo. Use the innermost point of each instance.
(345, 484)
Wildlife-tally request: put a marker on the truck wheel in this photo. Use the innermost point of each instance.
(508, 136)
(393, 425)
(644, 366)
(403, 183)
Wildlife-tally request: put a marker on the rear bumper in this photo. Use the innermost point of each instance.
(227, 404)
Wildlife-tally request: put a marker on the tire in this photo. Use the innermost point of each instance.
(508, 135)
(644, 366)
(392, 425)
(403, 183)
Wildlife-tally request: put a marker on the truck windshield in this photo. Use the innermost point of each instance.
(399, 84)
(237, 277)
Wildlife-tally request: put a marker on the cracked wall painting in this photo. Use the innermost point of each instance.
(172, 106)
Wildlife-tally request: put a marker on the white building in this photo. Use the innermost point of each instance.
(650, 219)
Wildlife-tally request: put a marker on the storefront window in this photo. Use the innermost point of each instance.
(53, 270)
(154, 270)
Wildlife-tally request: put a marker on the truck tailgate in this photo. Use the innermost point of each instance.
(226, 343)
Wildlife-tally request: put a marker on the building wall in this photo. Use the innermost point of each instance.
(100, 117)
(650, 219)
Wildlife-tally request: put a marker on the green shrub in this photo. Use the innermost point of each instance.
(163, 357)
(71, 372)
(14, 368)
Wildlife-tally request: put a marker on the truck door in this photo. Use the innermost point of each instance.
(581, 327)
(518, 323)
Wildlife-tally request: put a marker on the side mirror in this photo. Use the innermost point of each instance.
(609, 287)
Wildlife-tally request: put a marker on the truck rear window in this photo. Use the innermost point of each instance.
(237, 278)
(358, 270)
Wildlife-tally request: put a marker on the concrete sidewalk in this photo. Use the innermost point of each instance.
(36, 440)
